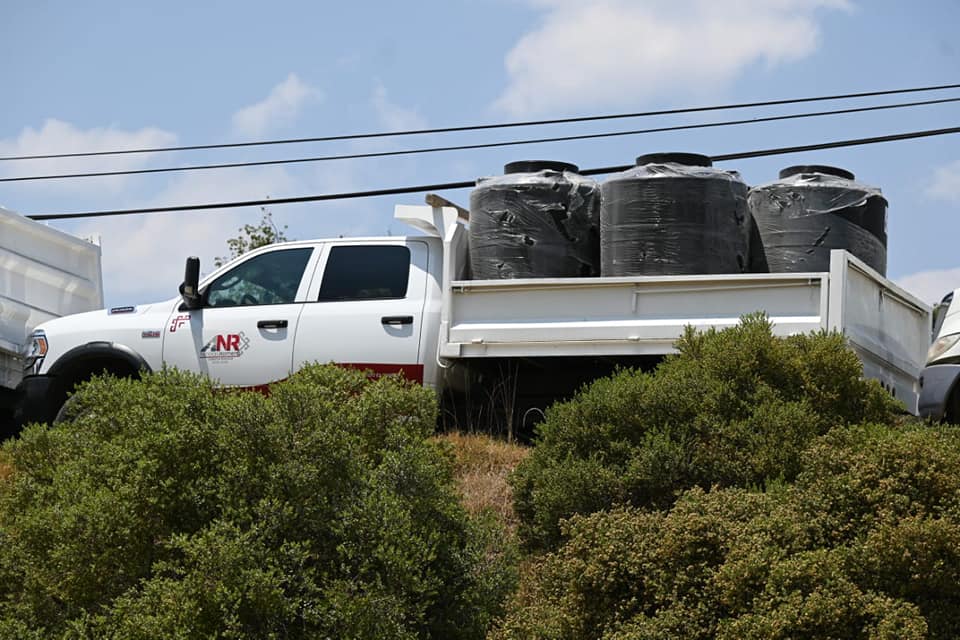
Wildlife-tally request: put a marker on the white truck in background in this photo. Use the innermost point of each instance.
(44, 274)
(405, 304)
(940, 391)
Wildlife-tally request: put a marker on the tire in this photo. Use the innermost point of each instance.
(67, 411)
(8, 426)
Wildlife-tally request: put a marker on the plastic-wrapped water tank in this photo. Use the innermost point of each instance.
(674, 214)
(539, 220)
(812, 209)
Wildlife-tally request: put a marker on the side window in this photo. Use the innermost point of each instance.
(366, 273)
(270, 278)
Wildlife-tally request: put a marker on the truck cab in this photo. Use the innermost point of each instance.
(359, 302)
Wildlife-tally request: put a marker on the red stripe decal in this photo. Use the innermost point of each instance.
(412, 372)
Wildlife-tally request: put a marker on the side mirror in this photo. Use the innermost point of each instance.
(189, 289)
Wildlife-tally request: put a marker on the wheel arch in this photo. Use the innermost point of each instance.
(940, 392)
(84, 361)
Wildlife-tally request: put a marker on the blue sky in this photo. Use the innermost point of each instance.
(107, 75)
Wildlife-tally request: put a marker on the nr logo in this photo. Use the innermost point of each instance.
(225, 346)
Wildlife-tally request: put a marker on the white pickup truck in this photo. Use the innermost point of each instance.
(403, 304)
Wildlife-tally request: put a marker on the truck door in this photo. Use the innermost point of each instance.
(243, 334)
(367, 308)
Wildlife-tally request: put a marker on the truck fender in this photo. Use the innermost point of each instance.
(937, 385)
(76, 360)
(40, 398)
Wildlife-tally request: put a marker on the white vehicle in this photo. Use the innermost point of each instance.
(940, 394)
(44, 274)
(403, 304)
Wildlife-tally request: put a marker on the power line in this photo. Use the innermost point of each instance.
(499, 125)
(465, 184)
(485, 145)
(778, 151)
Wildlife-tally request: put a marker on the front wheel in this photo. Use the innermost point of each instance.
(70, 410)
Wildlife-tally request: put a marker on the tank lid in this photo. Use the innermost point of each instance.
(533, 166)
(816, 168)
(687, 159)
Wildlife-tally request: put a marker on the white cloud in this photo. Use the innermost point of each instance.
(611, 52)
(393, 116)
(59, 137)
(278, 109)
(946, 183)
(931, 286)
(143, 255)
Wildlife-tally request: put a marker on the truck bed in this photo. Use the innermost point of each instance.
(44, 274)
(887, 327)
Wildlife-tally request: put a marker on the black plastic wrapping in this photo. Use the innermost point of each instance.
(540, 220)
(674, 214)
(812, 210)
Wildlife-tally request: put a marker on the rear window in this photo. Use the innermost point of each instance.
(366, 273)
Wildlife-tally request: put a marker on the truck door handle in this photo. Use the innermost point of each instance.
(272, 324)
(396, 321)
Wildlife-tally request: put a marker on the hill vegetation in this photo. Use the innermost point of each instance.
(864, 544)
(749, 487)
(168, 509)
(735, 408)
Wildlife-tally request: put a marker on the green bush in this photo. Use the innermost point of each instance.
(735, 408)
(167, 508)
(865, 544)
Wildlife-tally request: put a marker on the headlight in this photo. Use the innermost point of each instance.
(34, 353)
(942, 345)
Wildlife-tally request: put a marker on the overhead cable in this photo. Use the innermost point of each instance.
(499, 125)
(469, 183)
(485, 145)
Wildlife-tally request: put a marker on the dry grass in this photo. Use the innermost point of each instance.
(6, 468)
(482, 466)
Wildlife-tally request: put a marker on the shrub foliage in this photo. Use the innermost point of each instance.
(169, 509)
(865, 544)
(735, 408)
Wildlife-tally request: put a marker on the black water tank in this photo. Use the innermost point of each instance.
(674, 214)
(812, 209)
(540, 220)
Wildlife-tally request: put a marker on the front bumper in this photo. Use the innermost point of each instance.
(936, 384)
(36, 400)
